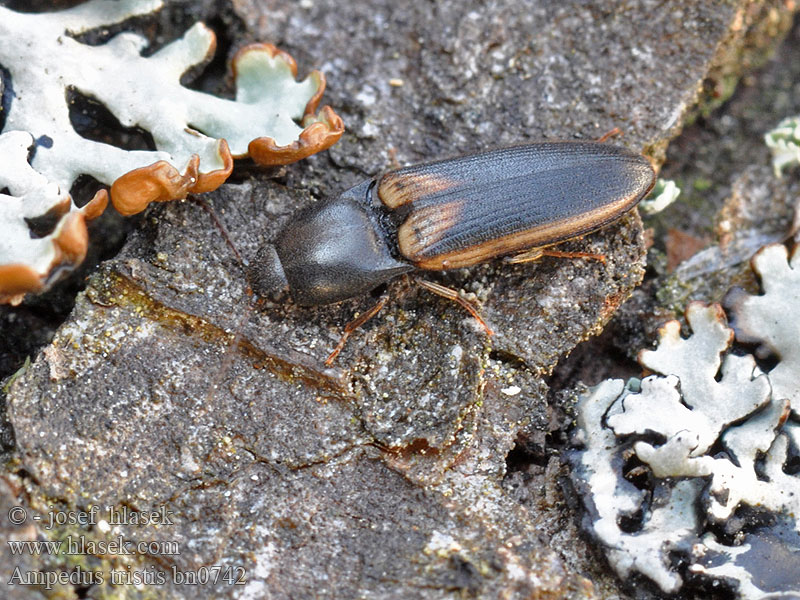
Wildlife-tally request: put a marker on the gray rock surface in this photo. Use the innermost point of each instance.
(386, 475)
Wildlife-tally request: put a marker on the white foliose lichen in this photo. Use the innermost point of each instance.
(664, 193)
(784, 143)
(29, 196)
(273, 118)
(691, 475)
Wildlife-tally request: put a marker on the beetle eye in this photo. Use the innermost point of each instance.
(266, 276)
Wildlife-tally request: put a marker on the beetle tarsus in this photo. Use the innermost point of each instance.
(535, 254)
(609, 134)
(450, 294)
(587, 255)
(353, 325)
(531, 255)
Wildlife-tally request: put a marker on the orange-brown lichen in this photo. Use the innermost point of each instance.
(318, 135)
(320, 131)
(160, 182)
(72, 239)
(96, 206)
(274, 52)
(70, 244)
(196, 135)
(17, 280)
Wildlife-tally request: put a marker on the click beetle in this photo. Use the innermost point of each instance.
(449, 214)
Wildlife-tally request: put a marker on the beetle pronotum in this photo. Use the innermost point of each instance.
(449, 214)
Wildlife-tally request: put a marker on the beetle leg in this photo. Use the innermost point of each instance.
(353, 325)
(609, 134)
(531, 255)
(450, 294)
(536, 253)
(587, 255)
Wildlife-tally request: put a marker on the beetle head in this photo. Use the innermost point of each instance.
(266, 276)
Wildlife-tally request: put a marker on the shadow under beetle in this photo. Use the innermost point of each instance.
(449, 214)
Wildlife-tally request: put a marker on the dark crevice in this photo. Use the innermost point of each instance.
(635, 471)
(631, 523)
(24, 474)
(84, 189)
(594, 360)
(93, 121)
(512, 360)
(214, 73)
(6, 94)
(40, 6)
(524, 453)
(45, 224)
(8, 440)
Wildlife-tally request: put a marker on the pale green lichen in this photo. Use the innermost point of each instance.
(717, 438)
(195, 134)
(784, 143)
(44, 61)
(771, 319)
(664, 193)
(30, 195)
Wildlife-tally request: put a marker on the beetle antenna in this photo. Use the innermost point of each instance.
(451, 294)
(227, 359)
(226, 236)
